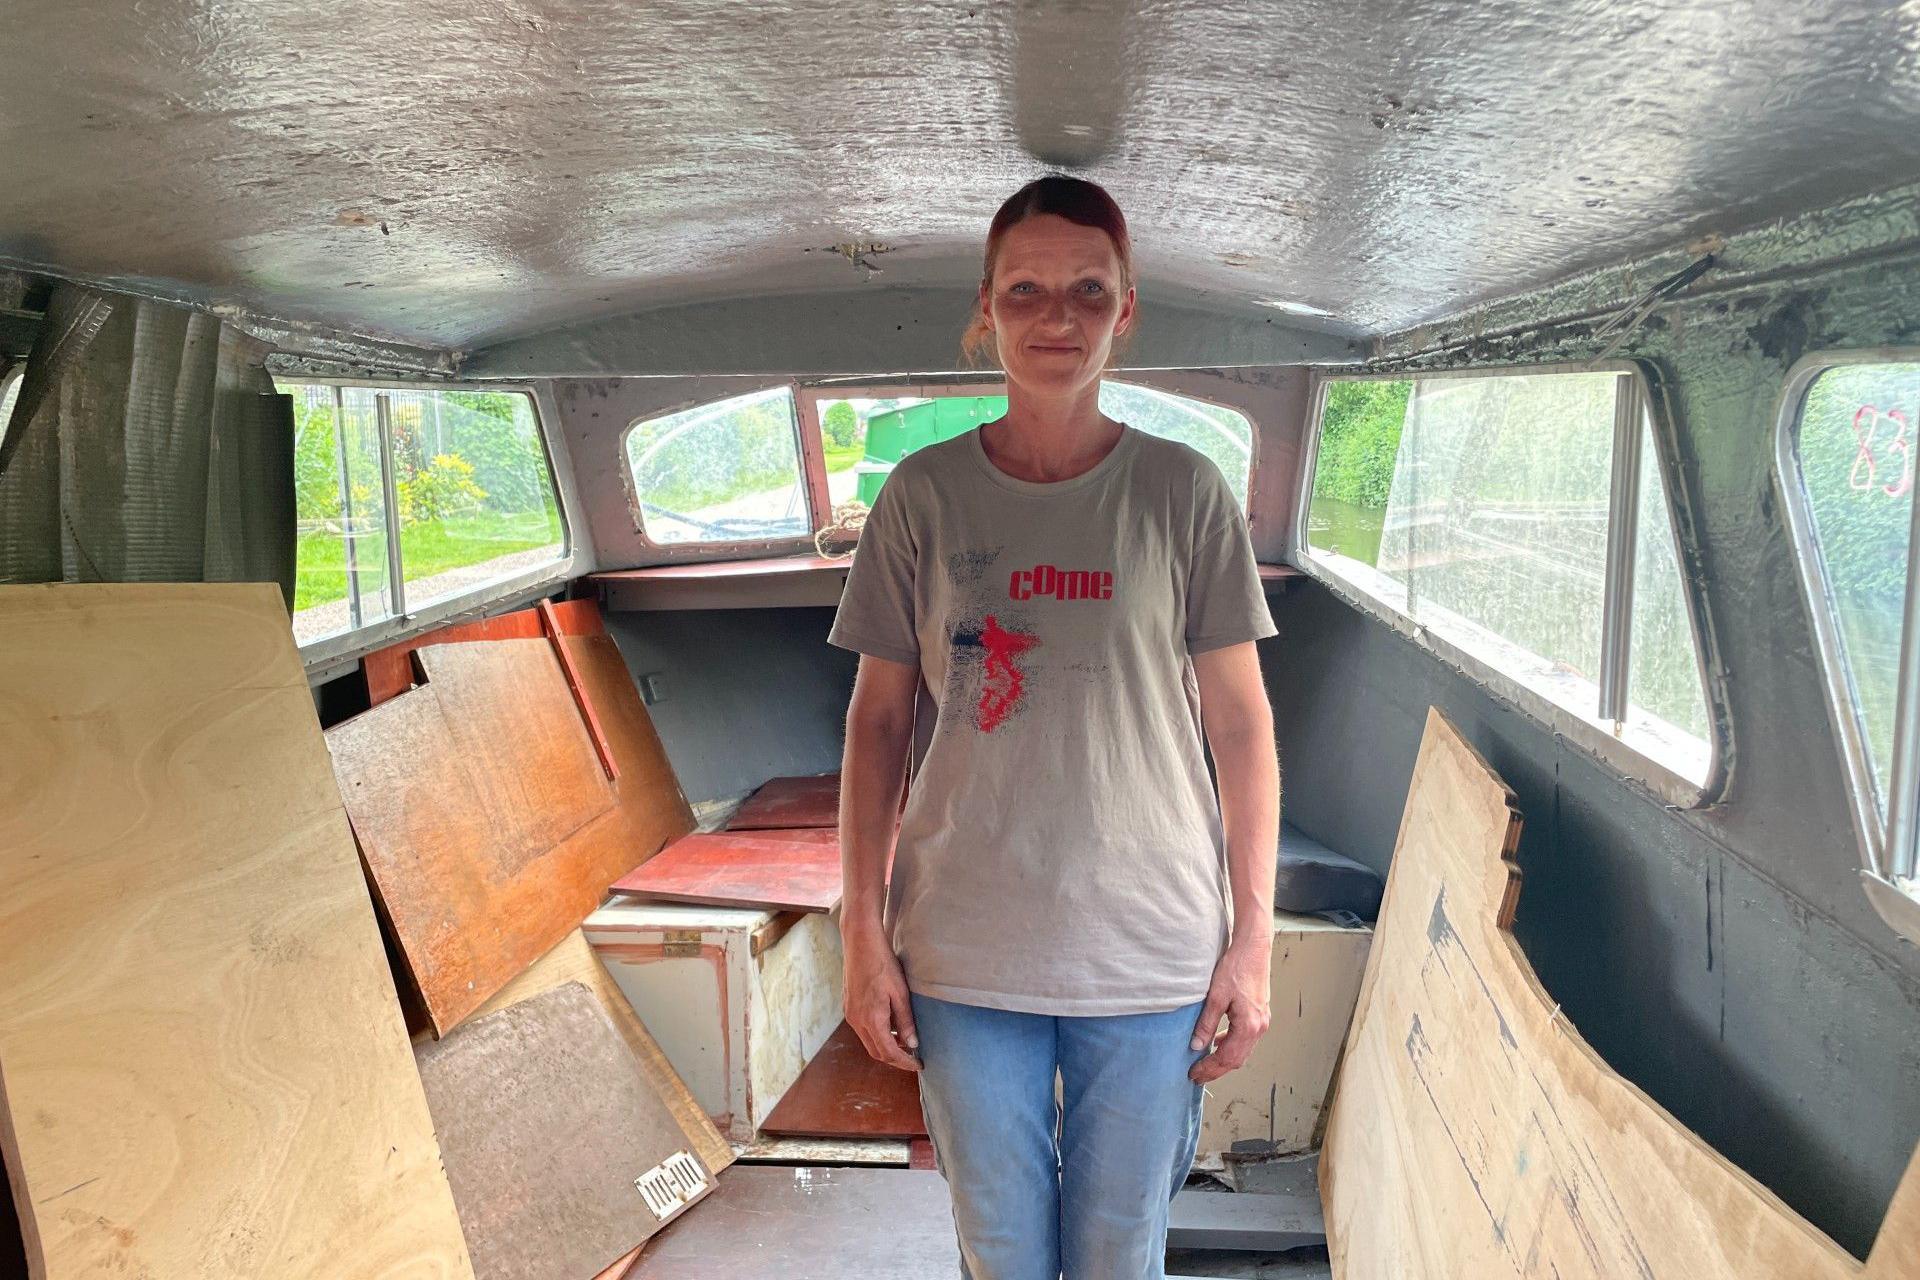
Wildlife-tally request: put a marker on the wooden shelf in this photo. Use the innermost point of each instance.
(763, 583)
(768, 582)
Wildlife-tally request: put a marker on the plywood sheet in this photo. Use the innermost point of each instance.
(546, 1123)
(844, 1093)
(743, 868)
(764, 1222)
(791, 802)
(203, 1070)
(1476, 1134)
(466, 794)
(574, 961)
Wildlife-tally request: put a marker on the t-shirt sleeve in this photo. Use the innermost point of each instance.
(876, 608)
(1226, 603)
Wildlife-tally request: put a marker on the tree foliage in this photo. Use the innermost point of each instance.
(1359, 437)
(840, 424)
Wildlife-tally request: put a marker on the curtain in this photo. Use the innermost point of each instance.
(147, 445)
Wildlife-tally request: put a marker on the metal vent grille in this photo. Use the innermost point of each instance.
(672, 1183)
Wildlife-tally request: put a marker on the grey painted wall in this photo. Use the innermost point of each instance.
(1725, 958)
(746, 694)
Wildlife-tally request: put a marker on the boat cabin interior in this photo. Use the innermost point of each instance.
(434, 439)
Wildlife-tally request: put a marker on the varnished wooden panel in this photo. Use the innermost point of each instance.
(791, 802)
(465, 794)
(1474, 1133)
(203, 1071)
(844, 1093)
(788, 872)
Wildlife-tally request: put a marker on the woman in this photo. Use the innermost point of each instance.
(1078, 598)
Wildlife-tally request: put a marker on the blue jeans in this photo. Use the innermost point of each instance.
(1041, 1188)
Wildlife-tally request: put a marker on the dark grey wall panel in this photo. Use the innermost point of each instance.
(745, 694)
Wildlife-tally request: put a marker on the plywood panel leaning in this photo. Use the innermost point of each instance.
(561, 1155)
(203, 1070)
(466, 795)
(1475, 1133)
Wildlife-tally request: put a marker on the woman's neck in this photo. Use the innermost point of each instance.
(1045, 439)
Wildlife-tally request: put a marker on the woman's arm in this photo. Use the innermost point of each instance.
(1239, 726)
(879, 732)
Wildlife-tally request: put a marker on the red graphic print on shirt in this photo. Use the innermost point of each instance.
(1062, 584)
(1004, 684)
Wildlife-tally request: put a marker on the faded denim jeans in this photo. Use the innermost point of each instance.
(1079, 1186)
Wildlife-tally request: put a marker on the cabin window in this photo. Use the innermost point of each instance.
(864, 435)
(723, 472)
(1520, 520)
(1847, 461)
(408, 498)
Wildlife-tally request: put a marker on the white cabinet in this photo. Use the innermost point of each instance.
(1278, 1096)
(739, 999)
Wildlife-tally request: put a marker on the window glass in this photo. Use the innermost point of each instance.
(473, 499)
(1664, 688)
(1479, 507)
(722, 472)
(340, 574)
(1498, 519)
(1856, 442)
(1223, 435)
(864, 438)
(474, 492)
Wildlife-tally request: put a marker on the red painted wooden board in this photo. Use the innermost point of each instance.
(793, 871)
(844, 1093)
(389, 671)
(791, 802)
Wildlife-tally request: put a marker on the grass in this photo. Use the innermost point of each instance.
(839, 459)
(320, 575)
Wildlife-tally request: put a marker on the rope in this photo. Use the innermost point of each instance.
(848, 519)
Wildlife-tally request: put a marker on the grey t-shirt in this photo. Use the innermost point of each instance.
(1061, 848)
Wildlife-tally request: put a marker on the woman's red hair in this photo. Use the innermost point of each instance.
(1076, 200)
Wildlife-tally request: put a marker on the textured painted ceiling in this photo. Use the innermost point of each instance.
(453, 172)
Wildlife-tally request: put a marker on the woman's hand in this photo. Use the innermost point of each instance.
(1240, 993)
(876, 1000)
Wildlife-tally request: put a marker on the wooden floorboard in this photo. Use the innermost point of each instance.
(765, 1222)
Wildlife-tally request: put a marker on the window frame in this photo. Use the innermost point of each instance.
(1586, 731)
(1889, 847)
(932, 388)
(810, 458)
(330, 655)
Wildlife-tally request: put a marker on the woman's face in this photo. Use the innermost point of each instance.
(1055, 303)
